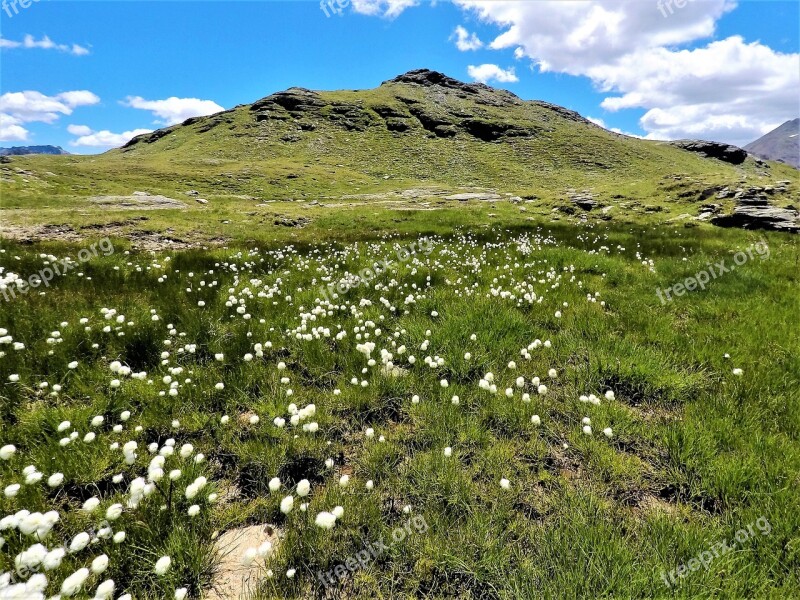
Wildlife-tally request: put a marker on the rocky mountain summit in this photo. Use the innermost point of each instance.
(23, 150)
(781, 144)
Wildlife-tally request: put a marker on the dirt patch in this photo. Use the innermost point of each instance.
(136, 201)
(39, 233)
(140, 240)
(233, 579)
(653, 504)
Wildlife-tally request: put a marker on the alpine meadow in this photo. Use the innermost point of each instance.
(417, 323)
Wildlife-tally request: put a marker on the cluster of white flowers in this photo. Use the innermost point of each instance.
(362, 324)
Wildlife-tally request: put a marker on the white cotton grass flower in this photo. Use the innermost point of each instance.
(738, 372)
(303, 488)
(287, 504)
(162, 565)
(180, 593)
(587, 429)
(609, 395)
(448, 452)
(73, 584)
(99, 564)
(193, 510)
(53, 559)
(274, 484)
(505, 484)
(344, 480)
(370, 484)
(325, 520)
(536, 420)
(608, 432)
(114, 512)
(91, 504)
(249, 556)
(338, 511)
(79, 542)
(7, 451)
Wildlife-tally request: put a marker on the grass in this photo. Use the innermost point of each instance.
(697, 453)
(341, 175)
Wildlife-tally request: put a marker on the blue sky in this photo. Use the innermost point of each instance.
(712, 68)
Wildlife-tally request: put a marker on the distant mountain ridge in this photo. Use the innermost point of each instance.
(781, 144)
(20, 150)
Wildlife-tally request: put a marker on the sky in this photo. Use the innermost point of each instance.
(89, 75)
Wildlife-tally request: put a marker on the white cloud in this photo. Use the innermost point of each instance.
(105, 138)
(11, 130)
(44, 44)
(487, 72)
(465, 40)
(174, 110)
(79, 129)
(384, 8)
(30, 106)
(728, 90)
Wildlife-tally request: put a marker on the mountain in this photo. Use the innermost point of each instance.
(781, 144)
(420, 128)
(421, 141)
(20, 150)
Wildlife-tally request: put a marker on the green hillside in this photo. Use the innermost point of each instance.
(421, 137)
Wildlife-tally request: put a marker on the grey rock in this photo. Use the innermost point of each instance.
(761, 217)
(724, 152)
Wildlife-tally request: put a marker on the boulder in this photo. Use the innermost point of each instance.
(760, 217)
(724, 152)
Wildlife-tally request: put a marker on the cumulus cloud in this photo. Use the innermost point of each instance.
(728, 90)
(488, 72)
(465, 40)
(11, 129)
(45, 43)
(105, 138)
(383, 8)
(174, 110)
(29, 106)
(79, 129)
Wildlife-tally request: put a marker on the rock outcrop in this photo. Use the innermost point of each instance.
(724, 152)
(761, 217)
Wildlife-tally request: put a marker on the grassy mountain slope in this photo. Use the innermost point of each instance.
(420, 131)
